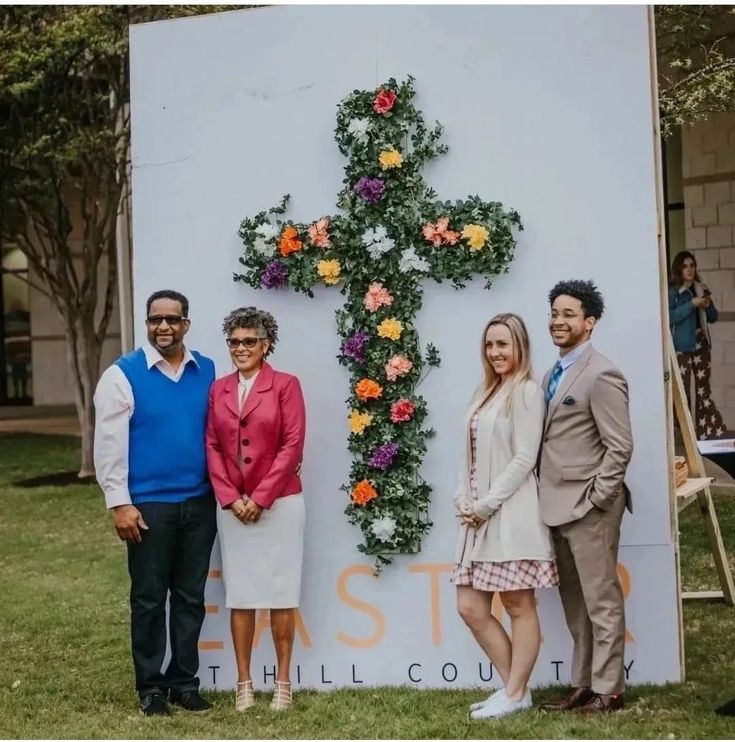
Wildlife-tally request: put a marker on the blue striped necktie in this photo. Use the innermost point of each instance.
(554, 379)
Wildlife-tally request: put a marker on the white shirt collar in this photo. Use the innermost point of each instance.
(248, 382)
(153, 357)
(573, 355)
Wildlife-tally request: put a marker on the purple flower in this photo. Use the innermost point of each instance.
(382, 457)
(371, 189)
(354, 346)
(274, 275)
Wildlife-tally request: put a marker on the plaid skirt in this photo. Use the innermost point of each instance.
(521, 574)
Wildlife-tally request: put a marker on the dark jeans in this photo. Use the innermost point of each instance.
(173, 557)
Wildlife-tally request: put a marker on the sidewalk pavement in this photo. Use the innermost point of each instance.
(45, 419)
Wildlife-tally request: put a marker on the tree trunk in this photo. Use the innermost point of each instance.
(84, 363)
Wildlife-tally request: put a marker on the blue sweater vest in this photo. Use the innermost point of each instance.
(167, 459)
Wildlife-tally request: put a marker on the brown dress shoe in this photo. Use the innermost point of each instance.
(602, 703)
(578, 697)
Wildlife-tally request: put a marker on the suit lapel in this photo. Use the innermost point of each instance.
(571, 375)
(263, 383)
(230, 391)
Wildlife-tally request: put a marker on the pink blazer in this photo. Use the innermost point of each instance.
(255, 453)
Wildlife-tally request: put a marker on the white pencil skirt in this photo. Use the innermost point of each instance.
(261, 562)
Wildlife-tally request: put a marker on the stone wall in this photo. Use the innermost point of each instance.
(708, 170)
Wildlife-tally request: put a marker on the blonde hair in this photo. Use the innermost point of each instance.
(521, 348)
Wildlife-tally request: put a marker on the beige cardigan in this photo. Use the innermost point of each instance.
(507, 491)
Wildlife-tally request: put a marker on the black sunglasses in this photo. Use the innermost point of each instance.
(171, 319)
(245, 342)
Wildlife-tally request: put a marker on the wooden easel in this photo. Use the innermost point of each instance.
(698, 487)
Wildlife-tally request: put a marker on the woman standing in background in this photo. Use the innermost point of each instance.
(691, 311)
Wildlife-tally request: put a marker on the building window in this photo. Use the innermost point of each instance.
(15, 328)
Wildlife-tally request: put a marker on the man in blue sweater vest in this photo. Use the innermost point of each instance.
(151, 409)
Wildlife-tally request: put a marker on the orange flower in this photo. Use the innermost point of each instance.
(363, 492)
(368, 389)
(289, 241)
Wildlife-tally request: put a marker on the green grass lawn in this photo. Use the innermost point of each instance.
(65, 668)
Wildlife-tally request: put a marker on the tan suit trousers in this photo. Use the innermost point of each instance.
(586, 556)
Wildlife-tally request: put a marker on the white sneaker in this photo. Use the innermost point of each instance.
(492, 698)
(504, 707)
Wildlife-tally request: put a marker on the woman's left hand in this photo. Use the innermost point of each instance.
(252, 511)
(472, 520)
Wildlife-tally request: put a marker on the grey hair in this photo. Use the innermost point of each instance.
(252, 318)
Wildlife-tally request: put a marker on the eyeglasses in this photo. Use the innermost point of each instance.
(566, 314)
(171, 319)
(245, 342)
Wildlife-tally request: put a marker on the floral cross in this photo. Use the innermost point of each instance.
(392, 233)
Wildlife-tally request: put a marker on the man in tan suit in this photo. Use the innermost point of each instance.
(585, 451)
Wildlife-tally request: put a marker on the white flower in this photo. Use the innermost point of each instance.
(267, 231)
(383, 528)
(377, 241)
(410, 261)
(263, 248)
(359, 128)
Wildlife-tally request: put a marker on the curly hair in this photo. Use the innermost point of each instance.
(593, 305)
(252, 318)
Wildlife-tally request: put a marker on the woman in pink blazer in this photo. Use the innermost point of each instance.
(255, 443)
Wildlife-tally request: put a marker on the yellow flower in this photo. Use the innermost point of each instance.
(476, 235)
(359, 421)
(390, 158)
(390, 328)
(329, 271)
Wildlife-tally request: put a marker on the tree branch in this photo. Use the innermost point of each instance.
(33, 285)
(710, 69)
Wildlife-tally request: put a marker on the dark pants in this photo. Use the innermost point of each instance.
(173, 557)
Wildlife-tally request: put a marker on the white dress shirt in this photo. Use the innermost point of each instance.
(114, 405)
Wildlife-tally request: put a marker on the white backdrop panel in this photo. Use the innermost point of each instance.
(547, 109)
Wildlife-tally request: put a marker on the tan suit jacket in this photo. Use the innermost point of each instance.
(585, 450)
(587, 441)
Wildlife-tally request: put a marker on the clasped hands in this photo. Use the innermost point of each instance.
(468, 515)
(245, 510)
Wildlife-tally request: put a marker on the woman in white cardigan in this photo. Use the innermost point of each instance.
(503, 545)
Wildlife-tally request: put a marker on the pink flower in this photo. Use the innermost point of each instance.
(402, 411)
(439, 233)
(431, 235)
(397, 366)
(377, 296)
(319, 233)
(384, 101)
